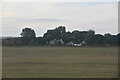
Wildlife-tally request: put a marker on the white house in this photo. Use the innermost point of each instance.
(76, 45)
(53, 42)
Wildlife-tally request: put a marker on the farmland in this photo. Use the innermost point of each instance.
(60, 62)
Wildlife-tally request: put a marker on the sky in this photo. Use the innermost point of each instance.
(42, 16)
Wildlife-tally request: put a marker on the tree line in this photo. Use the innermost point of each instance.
(60, 37)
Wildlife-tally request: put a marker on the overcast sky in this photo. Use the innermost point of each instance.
(41, 16)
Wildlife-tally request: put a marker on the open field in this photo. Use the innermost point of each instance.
(60, 62)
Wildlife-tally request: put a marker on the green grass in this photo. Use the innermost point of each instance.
(60, 62)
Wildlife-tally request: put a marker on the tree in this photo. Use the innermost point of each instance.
(77, 37)
(19, 41)
(68, 37)
(57, 33)
(118, 38)
(89, 36)
(28, 33)
(40, 41)
(99, 39)
(111, 39)
(60, 37)
(32, 43)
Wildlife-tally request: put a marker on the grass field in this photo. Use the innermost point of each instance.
(60, 62)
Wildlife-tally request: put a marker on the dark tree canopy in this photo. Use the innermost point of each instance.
(57, 33)
(59, 36)
(28, 33)
(28, 37)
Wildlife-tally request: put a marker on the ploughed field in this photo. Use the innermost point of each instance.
(60, 62)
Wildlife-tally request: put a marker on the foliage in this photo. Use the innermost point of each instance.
(59, 36)
(28, 33)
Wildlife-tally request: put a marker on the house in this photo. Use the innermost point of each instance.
(56, 42)
(52, 42)
(70, 43)
(76, 45)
